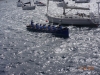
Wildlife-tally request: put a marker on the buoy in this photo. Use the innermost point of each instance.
(46, 20)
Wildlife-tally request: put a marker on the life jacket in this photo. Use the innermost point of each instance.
(49, 28)
(37, 26)
(44, 27)
(60, 28)
(53, 28)
(40, 27)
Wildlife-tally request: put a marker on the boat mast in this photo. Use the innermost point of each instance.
(98, 12)
(30, 2)
(64, 6)
(47, 5)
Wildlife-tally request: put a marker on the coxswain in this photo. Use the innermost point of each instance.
(32, 23)
(18, 0)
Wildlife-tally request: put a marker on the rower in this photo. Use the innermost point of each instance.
(37, 26)
(44, 27)
(53, 28)
(49, 27)
(59, 27)
(40, 27)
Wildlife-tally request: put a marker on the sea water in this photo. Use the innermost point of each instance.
(30, 53)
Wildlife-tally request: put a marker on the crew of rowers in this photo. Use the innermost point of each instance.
(44, 27)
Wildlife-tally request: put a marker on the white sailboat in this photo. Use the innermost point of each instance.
(38, 3)
(73, 19)
(28, 6)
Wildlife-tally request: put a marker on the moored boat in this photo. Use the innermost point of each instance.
(28, 6)
(76, 18)
(38, 3)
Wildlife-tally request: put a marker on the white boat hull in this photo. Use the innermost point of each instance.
(41, 4)
(19, 4)
(28, 7)
(70, 21)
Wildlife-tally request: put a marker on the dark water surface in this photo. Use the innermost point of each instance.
(29, 53)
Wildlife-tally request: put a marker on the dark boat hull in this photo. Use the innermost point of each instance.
(60, 33)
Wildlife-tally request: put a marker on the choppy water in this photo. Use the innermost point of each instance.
(29, 53)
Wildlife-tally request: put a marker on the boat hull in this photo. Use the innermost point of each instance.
(28, 7)
(41, 4)
(71, 21)
(60, 33)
